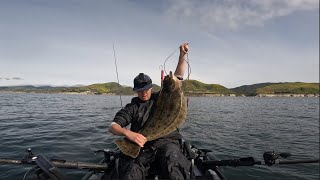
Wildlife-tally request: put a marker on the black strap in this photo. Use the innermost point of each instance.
(180, 78)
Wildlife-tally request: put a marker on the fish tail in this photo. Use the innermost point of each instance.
(127, 147)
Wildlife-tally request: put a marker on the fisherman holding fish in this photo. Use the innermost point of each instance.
(156, 142)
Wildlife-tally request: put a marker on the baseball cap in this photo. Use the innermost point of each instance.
(142, 82)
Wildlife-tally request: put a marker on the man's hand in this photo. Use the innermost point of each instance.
(135, 137)
(184, 48)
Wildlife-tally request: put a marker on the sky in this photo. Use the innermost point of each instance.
(232, 42)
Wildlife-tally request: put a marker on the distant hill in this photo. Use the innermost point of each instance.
(194, 87)
(104, 88)
(290, 88)
(107, 88)
(278, 88)
(190, 87)
(30, 88)
(250, 90)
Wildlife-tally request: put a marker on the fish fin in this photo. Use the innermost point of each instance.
(127, 147)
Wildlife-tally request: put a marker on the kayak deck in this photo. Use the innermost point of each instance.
(197, 171)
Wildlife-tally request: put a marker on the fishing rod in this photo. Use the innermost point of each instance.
(270, 158)
(115, 63)
(41, 160)
(50, 168)
(57, 163)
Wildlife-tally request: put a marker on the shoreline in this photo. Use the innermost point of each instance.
(187, 95)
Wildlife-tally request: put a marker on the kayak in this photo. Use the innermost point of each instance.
(203, 165)
(196, 156)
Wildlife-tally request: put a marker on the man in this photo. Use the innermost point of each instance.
(165, 150)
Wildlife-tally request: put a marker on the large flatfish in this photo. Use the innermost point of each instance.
(166, 115)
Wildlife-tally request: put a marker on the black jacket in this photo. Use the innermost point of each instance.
(137, 112)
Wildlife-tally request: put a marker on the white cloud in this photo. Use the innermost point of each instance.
(233, 14)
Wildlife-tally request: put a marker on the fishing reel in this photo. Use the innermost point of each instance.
(108, 154)
(270, 157)
(28, 159)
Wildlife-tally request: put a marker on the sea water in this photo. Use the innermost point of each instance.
(72, 127)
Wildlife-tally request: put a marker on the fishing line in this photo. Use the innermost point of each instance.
(115, 62)
(189, 71)
(188, 78)
(189, 67)
(164, 63)
(186, 60)
(25, 175)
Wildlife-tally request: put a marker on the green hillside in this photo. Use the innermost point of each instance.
(290, 88)
(155, 88)
(250, 90)
(278, 88)
(194, 86)
(104, 88)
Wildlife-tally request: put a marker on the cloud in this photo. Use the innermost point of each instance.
(17, 78)
(14, 78)
(216, 15)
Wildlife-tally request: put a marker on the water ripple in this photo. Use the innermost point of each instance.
(73, 126)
